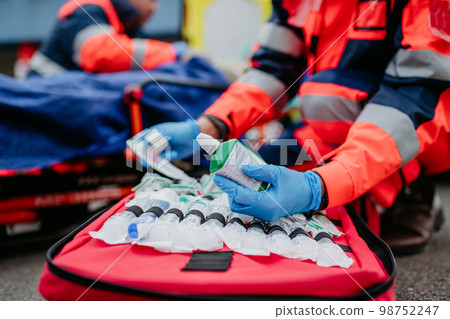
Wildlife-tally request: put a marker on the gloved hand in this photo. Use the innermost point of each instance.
(290, 192)
(181, 137)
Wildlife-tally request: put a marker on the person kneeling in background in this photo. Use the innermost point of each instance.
(97, 36)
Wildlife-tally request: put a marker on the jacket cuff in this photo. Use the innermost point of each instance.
(241, 107)
(338, 183)
(221, 126)
(324, 200)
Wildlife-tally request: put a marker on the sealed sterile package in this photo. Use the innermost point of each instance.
(323, 222)
(153, 181)
(208, 185)
(150, 183)
(148, 146)
(187, 188)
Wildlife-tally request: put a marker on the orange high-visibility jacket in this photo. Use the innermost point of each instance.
(92, 35)
(377, 85)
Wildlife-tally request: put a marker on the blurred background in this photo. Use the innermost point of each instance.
(225, 29)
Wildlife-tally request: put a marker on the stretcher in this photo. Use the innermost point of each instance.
(42, 201)
(50, 197)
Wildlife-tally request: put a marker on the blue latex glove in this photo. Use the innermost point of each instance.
(290, 192)
(181, 137)
(181, 48)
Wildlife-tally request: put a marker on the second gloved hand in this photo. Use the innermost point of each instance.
(181, 137)
(290, 192)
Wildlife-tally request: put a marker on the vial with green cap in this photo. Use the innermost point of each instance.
(228, 158)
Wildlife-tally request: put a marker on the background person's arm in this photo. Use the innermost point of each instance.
(260, 94)
(98, 46)
(94, 41)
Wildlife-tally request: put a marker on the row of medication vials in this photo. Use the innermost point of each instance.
(170, 222)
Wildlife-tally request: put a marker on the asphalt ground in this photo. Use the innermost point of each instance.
(424, 276)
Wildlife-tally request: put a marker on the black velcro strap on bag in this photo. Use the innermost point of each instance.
(298, 231)
(319, 236)
(218, 217)
(177, 212)
(155, 210)
(275, 228)
(210, 261)
(326, 235)
(135, 210)
(236, 220)
(346, 248)
(256, 224)
(197, 213)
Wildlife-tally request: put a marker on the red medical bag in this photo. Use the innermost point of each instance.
(79, 267)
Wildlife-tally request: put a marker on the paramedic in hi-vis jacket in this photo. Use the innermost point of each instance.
(97, 36)
(376, 99)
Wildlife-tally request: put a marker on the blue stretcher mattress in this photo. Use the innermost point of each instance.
(77, 115)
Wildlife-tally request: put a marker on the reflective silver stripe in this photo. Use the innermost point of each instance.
(397, 124)
(281, 39)
(419, 63)
(84, 35)
(140, 47)
(43, 65)
(270, 84)
(329, 108)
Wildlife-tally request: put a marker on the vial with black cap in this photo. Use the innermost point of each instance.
(279, 241)
(115, 228)
(330, 253)
(206, 236)
(160, 235)
(197, 212)
(234, 230)
(160, 202)
(254, 241)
